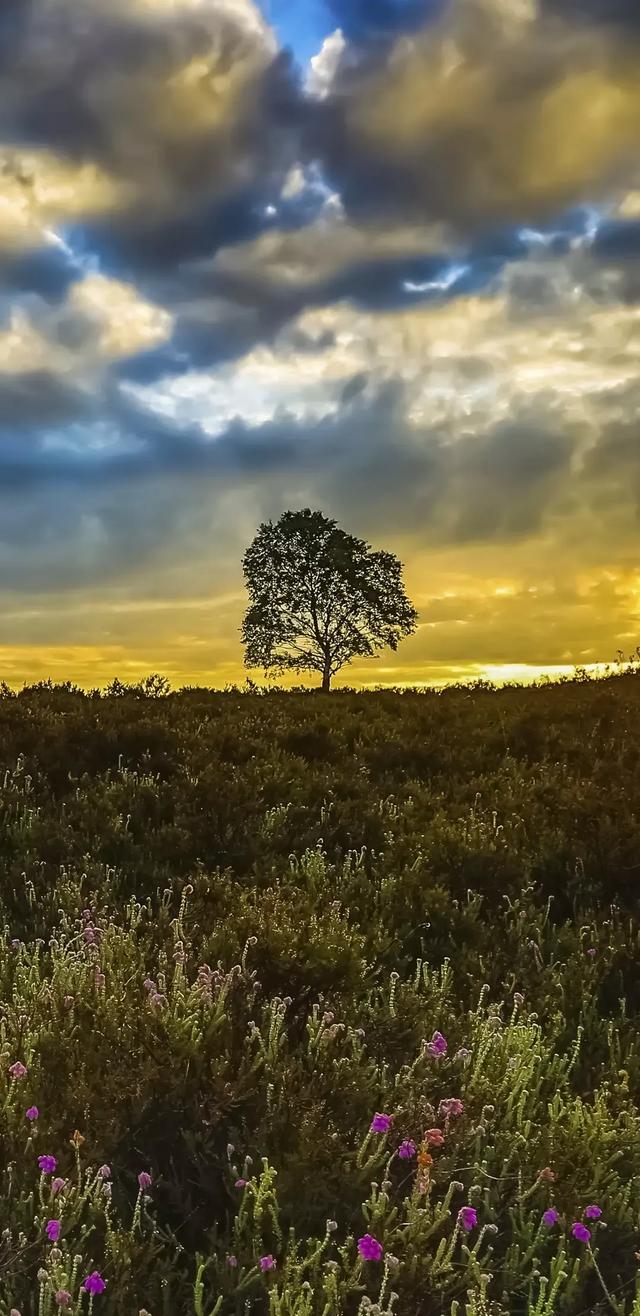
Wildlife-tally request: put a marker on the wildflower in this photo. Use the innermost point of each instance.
(47, 1164)
(407, 1150)
(425, 1159)
(268, 1262)
(451, 1106)
(462, 1054)
(592, 1212)
(435, 1137)
(77, 1138)
(468, 1217)
(144, 1180)
(232, 1261)
(580, 1232)
(17, 1069)
(62, 1298)
(105, 1171)
(94, 1283)
(380, 1123)
(592, 951)
(53, 1231)
(369, 1248)
(57, 1184)
(548, 1175)
(550, 1217)
(438, 1045)
(32, 1113)
(240, 1183)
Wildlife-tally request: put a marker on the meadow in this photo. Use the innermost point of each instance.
(314, 1005)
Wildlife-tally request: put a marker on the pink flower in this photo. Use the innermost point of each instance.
(407, 1150)
(105, 1171)
(369, 1248)
(468, 1217)
(94, 1283)
(435, 1137)
(57, 1185)
(438, 1046)
(592, 1212)
(550, 1217)
(268, 1262)
(240, 1183)
(144, 1181)
(62, 1298)
(32, 1113)
(380, 1123)
(232, 1261)
(47, 1164)
(17, 1069)
(580, 1232)
(451, 1106)
(53, 1231)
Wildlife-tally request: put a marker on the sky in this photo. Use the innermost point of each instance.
(376, 257)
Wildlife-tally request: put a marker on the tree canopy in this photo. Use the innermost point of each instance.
(320, 597)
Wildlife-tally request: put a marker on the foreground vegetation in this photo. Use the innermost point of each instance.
(319, 1005)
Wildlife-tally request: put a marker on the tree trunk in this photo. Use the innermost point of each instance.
(326, 677)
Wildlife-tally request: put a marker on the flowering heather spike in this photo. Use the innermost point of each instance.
(17, 1069)
(268, 1262)
(47, 1164)
(550, 1217)
(592, 1212)
(32, 1113)
(53, 1230)
(380, 1123)
(468, 1217)
(144, 1180)
(94, 1283)
(369, 1248)
(580, 1232)
(407, 1150)
(438, 1046)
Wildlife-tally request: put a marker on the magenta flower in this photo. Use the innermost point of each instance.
(53, 1231)
(57, 1185)
(94, 1283)
(62, 1298)
(144, 1181)
(32, 1113)
(438, 1046)
(407, 1149)
(17, 1069)
(550, 1217)
(592, 1212)
(369, 1248)
(580, 1232)
(592, 951)
(450, 1106)
(240, 1183)
(380, 1123)
(47, 1164)
(468, 1217)
(232, 1261)
(268, 1262)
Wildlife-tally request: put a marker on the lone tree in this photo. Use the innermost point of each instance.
(319, 597)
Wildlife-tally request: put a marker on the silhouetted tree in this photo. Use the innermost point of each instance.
(319, 597)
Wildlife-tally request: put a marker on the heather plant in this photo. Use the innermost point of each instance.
(290, 1028)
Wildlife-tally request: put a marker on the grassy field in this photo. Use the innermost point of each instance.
(315, 1005)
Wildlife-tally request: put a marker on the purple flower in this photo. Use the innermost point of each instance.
(550, 1217)
(592, 951)
(380, 1123)
(94, 1283)
(437, 1046)
(53, 1231)
(268, 1262)
(144, 1181)
(232, 1261)
(105, 1171)
(17, 1069)
(369, 1248)
(57, 1185)
(47, 1164)
(62, 1298)
(592, 1212)
(450, 1106)
(32, 1113)
(468, 1217)
(407, 1149)
(240, 1183)
(580, 1232)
